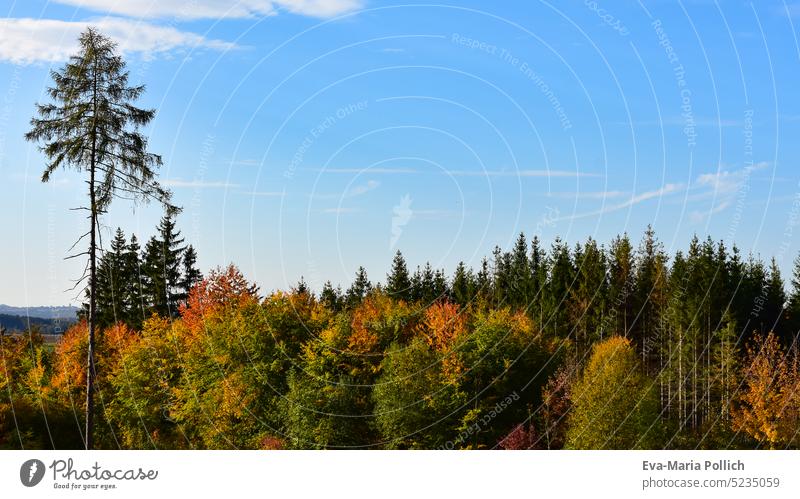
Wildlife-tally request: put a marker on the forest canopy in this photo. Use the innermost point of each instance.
(585, 346)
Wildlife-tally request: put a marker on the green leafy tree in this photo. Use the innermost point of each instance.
(614, 404)
(414, 405)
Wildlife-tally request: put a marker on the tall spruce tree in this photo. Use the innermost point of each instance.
(775, 303)
(163, 258)
(398, 282)
(359, 289)
(621, 285)
(132, 285)
(92, 126)
(191, 275)
(520, 274)
(463, 288)
(331, 297)
(562, 276)
(793, 307)
(650, 297)
(588, 295)
(538, 273)
(110, 275)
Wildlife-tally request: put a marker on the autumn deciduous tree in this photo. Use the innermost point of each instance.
(415, 407)
(224, 289)
(614, 404)
(768, 407)
(504, 356)
(442, 324)
(142, 384)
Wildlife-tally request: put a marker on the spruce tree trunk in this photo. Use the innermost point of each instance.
(90, 366)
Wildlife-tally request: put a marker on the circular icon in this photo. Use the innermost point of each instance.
(31, 472)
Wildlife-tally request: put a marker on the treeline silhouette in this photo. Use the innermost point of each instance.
(562, 347)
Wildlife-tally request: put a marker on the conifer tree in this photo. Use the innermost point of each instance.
(330, 297)
(793, 308)
(483, 282)
(359, 289)
(463, 288)
(191, 275)
(162, 262)
(621, 285)
(110, 275)
(520, 274)
(93, 127)
(650, 297)
(132, 287)
(588, 294)
(775, 303)
(538, 275)
(562, 276)
(398, 282)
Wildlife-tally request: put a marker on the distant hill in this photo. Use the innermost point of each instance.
(17, 323)
(64, 312)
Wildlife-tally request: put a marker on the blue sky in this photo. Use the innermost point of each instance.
(307, 137)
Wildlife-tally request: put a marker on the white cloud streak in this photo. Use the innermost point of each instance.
(589, 195)
(634, 200)
(722, 186)
(359, 190)
(197, 184)
(215, 9)
(386, 171)
(26, 41)
(522, 173)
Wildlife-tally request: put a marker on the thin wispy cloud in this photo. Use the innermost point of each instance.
(340, 211)
(355, 191)
(362, 189)
(245, 162)
(265, 194)
(383, 171)
(634, 200)
(727, 181)
(679, 121)
(216, 9)
(521, 173)
(197, 184)
(438, 214)
(27, 41)
(722, 187)
(588, 195)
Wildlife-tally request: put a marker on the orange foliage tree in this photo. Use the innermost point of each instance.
(768, 407)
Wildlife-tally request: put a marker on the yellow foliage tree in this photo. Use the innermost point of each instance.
(614, 403)
(768, 407)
